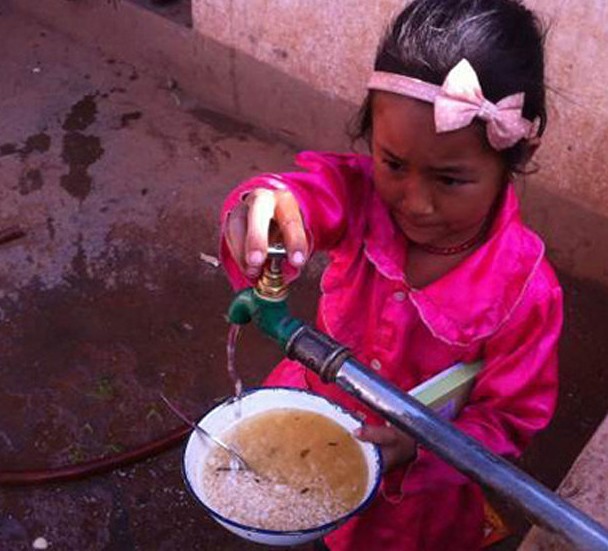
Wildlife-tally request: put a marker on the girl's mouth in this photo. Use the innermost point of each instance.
(416, 225)
(419, 232)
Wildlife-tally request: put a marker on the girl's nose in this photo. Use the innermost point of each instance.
(417, 197)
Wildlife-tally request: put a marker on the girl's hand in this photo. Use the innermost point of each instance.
(249, 225)
(396, 446)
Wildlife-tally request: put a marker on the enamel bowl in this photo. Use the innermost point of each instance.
(226, 415)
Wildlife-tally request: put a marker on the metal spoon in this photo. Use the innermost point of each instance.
(200, 430)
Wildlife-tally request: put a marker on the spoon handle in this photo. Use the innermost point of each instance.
(202, 431)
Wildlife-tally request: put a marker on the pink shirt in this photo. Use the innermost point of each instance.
(502, 305)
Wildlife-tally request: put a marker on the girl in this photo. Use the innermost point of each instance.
(430, 263)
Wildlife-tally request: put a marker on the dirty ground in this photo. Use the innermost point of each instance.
(115, 181)
(114, 177)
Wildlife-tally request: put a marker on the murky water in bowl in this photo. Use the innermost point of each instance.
(313, 472)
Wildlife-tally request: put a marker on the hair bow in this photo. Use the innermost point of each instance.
(459, 100)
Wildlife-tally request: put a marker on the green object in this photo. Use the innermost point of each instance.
(448, 391)
(270, 315)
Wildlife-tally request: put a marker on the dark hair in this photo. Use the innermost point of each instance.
(503, 41)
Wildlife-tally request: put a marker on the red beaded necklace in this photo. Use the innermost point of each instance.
(454, 249)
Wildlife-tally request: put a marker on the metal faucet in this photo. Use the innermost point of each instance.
(266, 306)
(266, 303)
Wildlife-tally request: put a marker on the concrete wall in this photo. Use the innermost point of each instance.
(574, 153)
(330, 47)
(584, 487)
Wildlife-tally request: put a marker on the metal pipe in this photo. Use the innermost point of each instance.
(329, 359)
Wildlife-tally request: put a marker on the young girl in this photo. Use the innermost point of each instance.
(430, 263)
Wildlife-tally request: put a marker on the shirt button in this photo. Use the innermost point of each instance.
(375, 365)
(399, 296)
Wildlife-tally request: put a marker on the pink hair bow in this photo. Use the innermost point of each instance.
(460, 100)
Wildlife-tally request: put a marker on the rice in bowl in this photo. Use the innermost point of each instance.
(308, 471)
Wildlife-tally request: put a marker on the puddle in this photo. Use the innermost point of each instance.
(84, 363)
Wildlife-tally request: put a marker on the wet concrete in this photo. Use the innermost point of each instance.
(115, 177)
(104, 301)
(219, 76)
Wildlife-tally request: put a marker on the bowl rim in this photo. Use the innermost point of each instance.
(286, 533)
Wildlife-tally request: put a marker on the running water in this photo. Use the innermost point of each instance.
(233, 335)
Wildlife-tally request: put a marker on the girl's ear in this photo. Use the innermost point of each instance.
(525, 153)
(530, 148)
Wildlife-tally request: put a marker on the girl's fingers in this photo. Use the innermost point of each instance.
(381, 435)
(261, 211)
(397, 447)
(249, 225)
(289, 220)
(236, 231)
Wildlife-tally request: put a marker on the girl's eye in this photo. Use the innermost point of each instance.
(451, 182)
(393, 166)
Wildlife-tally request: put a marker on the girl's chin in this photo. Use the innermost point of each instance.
(421, 236)
(435, 236)
(435, 239)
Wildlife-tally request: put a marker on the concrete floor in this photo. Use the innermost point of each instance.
(115, 176)
(116, 179)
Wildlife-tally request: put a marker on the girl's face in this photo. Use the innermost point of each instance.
(439, 187)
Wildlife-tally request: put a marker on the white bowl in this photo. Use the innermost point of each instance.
(226, 415)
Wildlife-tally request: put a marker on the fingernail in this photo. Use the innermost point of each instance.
(255, 258)
(297, 258)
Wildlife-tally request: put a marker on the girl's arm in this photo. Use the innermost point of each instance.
(327, 197)
(515, 394)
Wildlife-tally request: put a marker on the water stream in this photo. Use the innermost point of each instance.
(233, 335)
